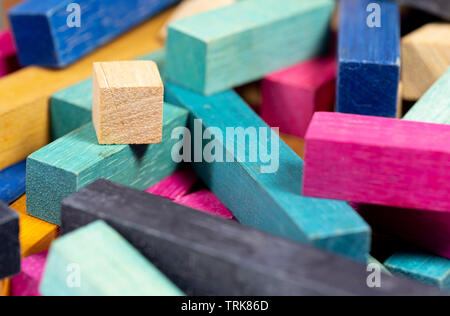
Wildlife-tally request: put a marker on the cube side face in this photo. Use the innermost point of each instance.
(9, 247)
(66, 117)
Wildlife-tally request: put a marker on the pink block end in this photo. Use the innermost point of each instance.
(207, 202)
(8, 57)
(176, 186)
(28, 281)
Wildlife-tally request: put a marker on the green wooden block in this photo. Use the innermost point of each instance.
(75, 160)
(434, 106)
(71, 107)
(423, 267)
(243, 42)
(96, 261)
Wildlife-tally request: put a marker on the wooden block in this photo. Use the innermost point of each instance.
(27, 282)
(175, 186)
(265, 193)
(64, 38)
(12, 182)
(205, 201)
(9, 245)
(5, 287)
(434, 106)
(5, 6)
(381, 161)
(207, 255)
(24, 110)
(425, 58)
(251, 93)
(423, 267)
(369, 58)
(75, 160)
(437, 7)
(35, 235)
(71, 107)
(192, 7)
(245, 41)
(291, 96)
(102, 272)
(127, 103)
(8, 57)
(296, 144)
(372, 260)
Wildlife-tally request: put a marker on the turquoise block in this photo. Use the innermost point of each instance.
(96, 261)
(243, 42)
(272, 202)
(75, 160)
(423, 267)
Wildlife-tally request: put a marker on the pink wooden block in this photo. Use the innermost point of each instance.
(176, 186)
(27, 282)
(8, 59)
(378, 160)
(207, 202)
(291, 96)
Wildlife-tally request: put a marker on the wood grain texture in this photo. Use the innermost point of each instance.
(381, 161)
(8, 57)
(207, 255)
(12, 182)
(292, 95)
(369, 59)
(245, 41)
(175, 186)
(205, 201)
(437, 7)
(9, 245)
(434, 106)
(423, 267)
(35, 235)
(270, 201)
(27, 282)
(127, 102)
(24, 106)
(71, 107)
(5, 6)
(425, 58)
(94, 249)
(75, 160)
(61, 44)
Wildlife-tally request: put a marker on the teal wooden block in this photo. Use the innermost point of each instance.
(71, 107)
(423, 267)
(434, 106)
(96, 261)
(243, 42)
(75, 160)
(272, 202)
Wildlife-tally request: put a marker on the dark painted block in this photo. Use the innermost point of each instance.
(9, 242)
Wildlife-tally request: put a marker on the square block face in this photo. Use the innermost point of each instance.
(127, 102)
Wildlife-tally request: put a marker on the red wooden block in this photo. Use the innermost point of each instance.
(175, 186)
(8, 58)
(291, 96)
(27, 282)
(207, 202)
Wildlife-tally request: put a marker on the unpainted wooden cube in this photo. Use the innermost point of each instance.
(127, 102)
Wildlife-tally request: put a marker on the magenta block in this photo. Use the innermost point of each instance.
(27, 282)
(8, 58)
(207, 202)
(176, 186)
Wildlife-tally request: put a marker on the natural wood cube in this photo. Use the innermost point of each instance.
(127, 102)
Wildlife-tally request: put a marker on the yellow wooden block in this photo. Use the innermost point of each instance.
(24, 117)
(425, 58)
(5, 287)
(296, 144)
(35, 235)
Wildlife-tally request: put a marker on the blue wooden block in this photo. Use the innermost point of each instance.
(75, 160)
(96, 261)
(9, 242)
(71, 107)
(244, 41)
(423, 267)
(369, 58)
(46, 36)
(12, 182)
(272, 202)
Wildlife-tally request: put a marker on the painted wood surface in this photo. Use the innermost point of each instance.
(369, 59)
(381, 161)
(24, 106)
(93, 251)
(12, 182)
(8, 57)
(35, 235)
(245, 41)
(425, 58)
(292, 95)
(423, 267)
(207, 255)
(5, 287)
(205, 201)
(27, 282)
(5, 6)
(71, 107)
(437, 7)
(9, 245)
(75, 160)
(175, 186)
(61, 42)
(267, 193)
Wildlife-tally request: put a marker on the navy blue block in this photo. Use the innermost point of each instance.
(12, 182)
(9, 242)
(369, 58)
(44, 37)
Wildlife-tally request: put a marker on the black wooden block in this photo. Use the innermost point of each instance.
(9, 242)
(205, 255)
